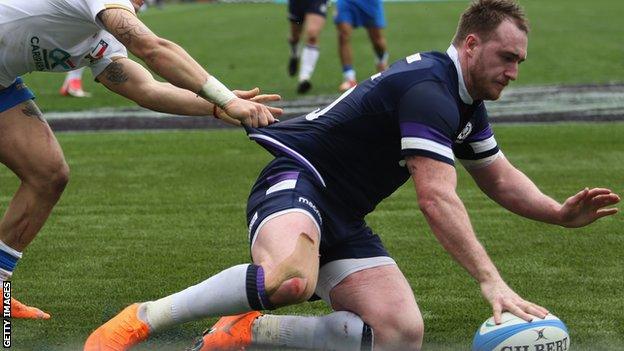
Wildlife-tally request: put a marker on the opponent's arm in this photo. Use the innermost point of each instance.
(174, 64)
(512, 189)
(435, 184)
(131, 80)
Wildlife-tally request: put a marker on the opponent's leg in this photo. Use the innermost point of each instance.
(309, 55)
(29, 149)
(379, 47)
(346, 56)
(384, 300)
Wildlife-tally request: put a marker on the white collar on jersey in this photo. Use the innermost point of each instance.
(463, 92)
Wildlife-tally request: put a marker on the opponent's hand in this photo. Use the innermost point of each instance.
(254, 96)
(249, 113)
(587, 206)
(502, 298)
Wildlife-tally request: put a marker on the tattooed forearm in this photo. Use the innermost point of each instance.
(32, 110)
(123, 25)
(115, 73)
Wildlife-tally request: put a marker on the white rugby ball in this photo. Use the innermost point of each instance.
(516, 334)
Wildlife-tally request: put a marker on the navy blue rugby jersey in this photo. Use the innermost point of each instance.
(356, 146)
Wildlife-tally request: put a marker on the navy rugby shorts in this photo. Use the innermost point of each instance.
(14, 95)
(297, 9)
(285, 186)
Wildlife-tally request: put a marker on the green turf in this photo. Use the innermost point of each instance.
(572, 41)
(147, 214)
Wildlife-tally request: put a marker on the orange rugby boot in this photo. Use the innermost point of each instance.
(120, 333)
(231, 333)
(19, 310)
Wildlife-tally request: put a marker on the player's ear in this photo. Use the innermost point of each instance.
(471, 43)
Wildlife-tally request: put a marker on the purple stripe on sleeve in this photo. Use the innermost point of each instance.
(419, 130)
(279, 177)
(482, 135)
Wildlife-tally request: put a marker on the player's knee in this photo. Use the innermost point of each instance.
(313, 37)
(412, 335)
(313, 40)
(51, 180)
(293, 291)
(296, 290)
(400, 332)
(59, 178)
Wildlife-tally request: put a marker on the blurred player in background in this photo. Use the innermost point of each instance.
(311, 15)
(306, 212)
(356, 13)
(72, 86)
(64, 35)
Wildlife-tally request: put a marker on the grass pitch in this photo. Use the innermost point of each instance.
(148, 214)
(244, 45)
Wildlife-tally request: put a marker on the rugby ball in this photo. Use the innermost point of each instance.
(516, 334)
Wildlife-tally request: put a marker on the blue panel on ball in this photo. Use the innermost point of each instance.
(488, 341)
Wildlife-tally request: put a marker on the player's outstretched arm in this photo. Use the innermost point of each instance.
(435, 184)
(131, 80)
(513, 190)
(174, 64)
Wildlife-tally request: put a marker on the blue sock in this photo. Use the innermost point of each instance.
(348, 73)
(8, 260)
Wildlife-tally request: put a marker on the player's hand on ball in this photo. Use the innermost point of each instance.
(587, 206)
(502, 298)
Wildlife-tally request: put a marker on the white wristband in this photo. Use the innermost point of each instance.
(216, 92)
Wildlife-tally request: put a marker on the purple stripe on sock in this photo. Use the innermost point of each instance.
(419, 130)
(279, 177)
(482, 135)
(261, 291)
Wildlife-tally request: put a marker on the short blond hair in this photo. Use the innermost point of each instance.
(484, 16)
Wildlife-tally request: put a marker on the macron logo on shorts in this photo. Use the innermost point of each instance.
(309, 203)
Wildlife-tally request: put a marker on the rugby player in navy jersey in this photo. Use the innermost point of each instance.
(333, 166)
